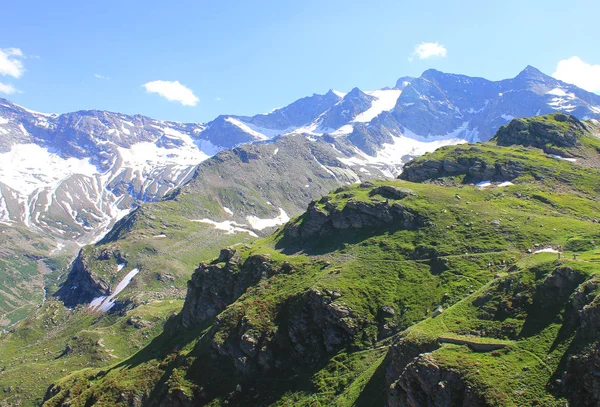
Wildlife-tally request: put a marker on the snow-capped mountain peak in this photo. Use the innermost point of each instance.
(72, 175)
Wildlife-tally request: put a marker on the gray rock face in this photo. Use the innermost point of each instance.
(320, 221)
(318, 324)
(81, 285)
(563, 132)
(426, 383)
(476, 168)
(215, 286)
(296, 114)
(579, 381)
(354, 103)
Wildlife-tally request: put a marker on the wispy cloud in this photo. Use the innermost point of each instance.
(578, 73)
(11, 63)
(218, 99)
(426, 50)
(173, 91)
(98, 76)
(7, 89)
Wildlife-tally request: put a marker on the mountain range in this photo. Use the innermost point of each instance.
(332, 275)
(71, 176)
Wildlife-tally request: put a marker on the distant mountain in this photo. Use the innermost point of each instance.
(72, 175)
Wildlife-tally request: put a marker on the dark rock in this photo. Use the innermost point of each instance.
(474, 167)
(392, 192)
(319, 221)
(424, 382)
(82, 284)
(213, 287)
(542, 133)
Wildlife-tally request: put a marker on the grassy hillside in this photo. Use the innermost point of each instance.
(383, 292)
(28, 264)
(165, 241)
(316, 327)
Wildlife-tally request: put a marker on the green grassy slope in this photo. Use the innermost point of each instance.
(27, 265)
(332, 309)
(381, 280)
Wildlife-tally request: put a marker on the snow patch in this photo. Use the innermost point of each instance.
(229, 211)
(385, 101)
(573, 160)
(259, 133)
(207, 147)
(392, 156)
(27, 167)
(483, 184)
(557, 92)
(104, 303)
(546, 250)
(228, 226)
(260, 224)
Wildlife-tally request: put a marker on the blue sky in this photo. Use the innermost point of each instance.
(247, 57)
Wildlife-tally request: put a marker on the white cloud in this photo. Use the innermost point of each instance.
(98, 76)
(173, 91)
(218, 99)
(10, 62)
(426, 50)
(579, 73)
(7, 89)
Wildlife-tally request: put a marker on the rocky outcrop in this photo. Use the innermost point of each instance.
(581, 378)
(324, 217)
(82, 284)
(581, 382)
(476, 168)
(558, 286)
(557, 130)
(392, 192)
(215, 286)
(353, 103)
(318, 324)
(587, 302)
(424, 382)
